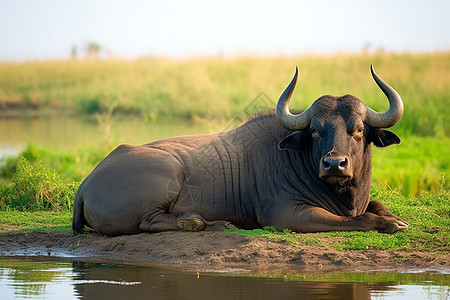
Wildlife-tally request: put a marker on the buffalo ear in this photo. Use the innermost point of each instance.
(382, 137)
(297, 140)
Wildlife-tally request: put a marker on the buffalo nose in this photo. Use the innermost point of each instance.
(335, 164)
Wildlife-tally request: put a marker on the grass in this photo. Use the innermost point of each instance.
(34, 187)
(417, 165)
(42, 221)
(218, 88)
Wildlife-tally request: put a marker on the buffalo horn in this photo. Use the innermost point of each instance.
(395, 112)
(286, 119)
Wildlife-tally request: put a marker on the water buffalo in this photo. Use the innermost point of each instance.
(307, 172)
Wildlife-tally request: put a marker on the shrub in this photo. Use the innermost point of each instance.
(35, 187)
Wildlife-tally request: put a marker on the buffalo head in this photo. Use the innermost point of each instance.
(339, 130)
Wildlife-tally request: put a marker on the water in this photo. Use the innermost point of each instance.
(51, 278)
(75, 133)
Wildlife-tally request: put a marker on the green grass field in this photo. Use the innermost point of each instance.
(410, 178)
(219, 88)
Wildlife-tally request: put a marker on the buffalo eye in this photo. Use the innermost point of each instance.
(358, 133)
(315, 133)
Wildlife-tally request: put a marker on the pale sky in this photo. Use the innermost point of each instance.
(47, 29)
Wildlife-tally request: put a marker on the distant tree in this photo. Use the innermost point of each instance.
(93, 51)
(74, 52)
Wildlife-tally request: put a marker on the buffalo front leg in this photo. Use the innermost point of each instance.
(380, 209)
(162, 221)
(188, 221)
(316, 219)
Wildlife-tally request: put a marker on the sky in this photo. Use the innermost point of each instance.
(50, 29)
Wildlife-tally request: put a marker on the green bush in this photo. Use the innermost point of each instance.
(34, 187)
(70, 165)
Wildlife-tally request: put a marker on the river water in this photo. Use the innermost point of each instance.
(52, 278)
(76, 133)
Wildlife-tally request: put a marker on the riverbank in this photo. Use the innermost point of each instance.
(217, 250)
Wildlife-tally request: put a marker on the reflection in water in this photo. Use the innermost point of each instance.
(169, 284)
(69, 133)
(34, 284)
(56, 279)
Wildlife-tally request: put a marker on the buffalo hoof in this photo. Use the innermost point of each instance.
(192, 224)
(394, 226)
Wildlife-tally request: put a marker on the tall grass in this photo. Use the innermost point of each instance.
(418, 164)
(34, 187)
(219, 88)
(43, 179)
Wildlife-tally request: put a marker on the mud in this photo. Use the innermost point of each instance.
(215, 250)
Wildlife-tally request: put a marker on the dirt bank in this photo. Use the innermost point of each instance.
(214, 249)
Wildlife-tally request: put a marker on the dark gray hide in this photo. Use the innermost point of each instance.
(316, 178)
